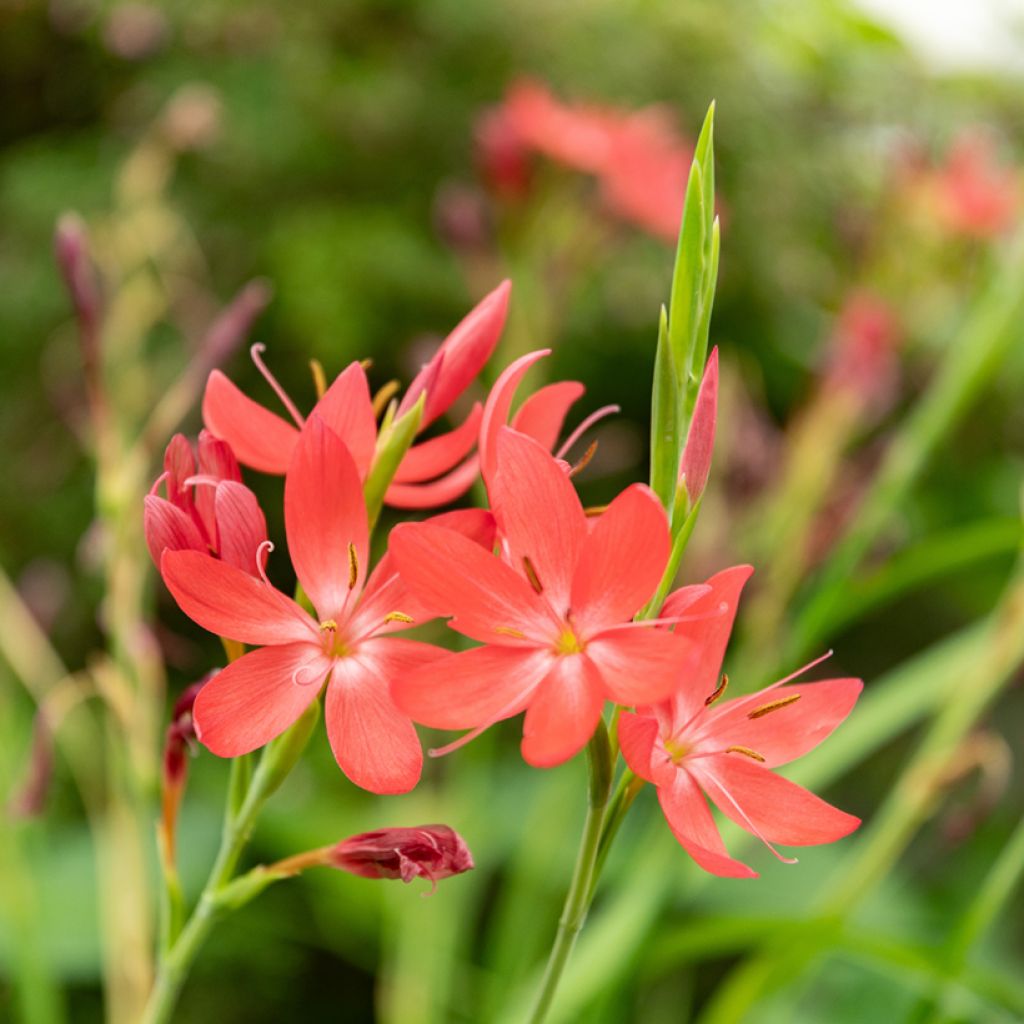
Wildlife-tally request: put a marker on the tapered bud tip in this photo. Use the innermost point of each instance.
(700, 442)
(428, 851)
(71, 249)
(181, 732)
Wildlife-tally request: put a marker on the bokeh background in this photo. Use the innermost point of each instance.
(869, 190)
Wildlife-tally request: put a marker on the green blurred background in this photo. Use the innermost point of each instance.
(329, 148)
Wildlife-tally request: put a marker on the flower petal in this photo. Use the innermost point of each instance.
(637, 736)
(562, 716)
(690, 820)
(216, 461)
(347, 409)
(463, 353)
(700, 441)
(451, 575)
(542, 414)
(539, 514)
(168, 528)
(621, 561)
(767, 805)
(497, 408)
(642, 665)
(259, 438)
(442, 491)
(431, 458)
(780, 731)
(472, 688)
(325, 519)
(231, 603)
(241, 527)
(374, 743)
(257, 697)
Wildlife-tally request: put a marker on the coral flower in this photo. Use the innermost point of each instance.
(975, 194)
(259, 696)
(263, 440)
(692, 743)
(553, 613)
(207, 509)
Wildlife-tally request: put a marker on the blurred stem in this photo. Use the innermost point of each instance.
(584, 877)
(971, 361)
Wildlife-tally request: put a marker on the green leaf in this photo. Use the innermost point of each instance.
(666, 438)
(393, 442)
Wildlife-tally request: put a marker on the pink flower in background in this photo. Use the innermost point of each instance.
(553, 613)
(428, 851)
(692, 744)
(437, 467)
(637, 156)
(976, 195)
(264, 692)
(207, 507)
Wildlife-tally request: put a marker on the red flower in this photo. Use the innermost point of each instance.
(257, 697)
(637, 156)
(553, 614)
(429, 851)
(264, 441)
(692, 743)
(975, 195)
(208, 510)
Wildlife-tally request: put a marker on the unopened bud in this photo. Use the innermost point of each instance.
(429, 851)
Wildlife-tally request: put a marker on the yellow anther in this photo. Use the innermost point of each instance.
(366, 364)
(328, 625)
(531, 575)
(584, 460)
(319, 377)
(766, 709)
(353, 566)
(719, 690)
(399, 617)
(386, 393)
(746, 752)
(593, 511)
(509, 631)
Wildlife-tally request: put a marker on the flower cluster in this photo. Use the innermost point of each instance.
(550, 592)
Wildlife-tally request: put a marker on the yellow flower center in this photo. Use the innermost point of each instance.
(676, 749)
(334, 643)
(568, 642)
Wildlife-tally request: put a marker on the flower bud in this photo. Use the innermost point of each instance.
(430, 851)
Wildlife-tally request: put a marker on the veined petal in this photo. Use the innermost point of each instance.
(259, 438)
(431, 458)
(472, 688)
(257, 697)
(168, 528)
(347, 409)
(231, 603)
(637, 737)
(325, 519)
(771, 807)
(641, 666)
(786, 724)
(690, 820)
(241, 527)
(464, 353)
(451, 575)
(374, 743)
(564, 712)
(179, 465)
(621, 561)
(386, 591)
(542, 415)
(436, 492)
(539, 514)
(217, 461)
(497, 408)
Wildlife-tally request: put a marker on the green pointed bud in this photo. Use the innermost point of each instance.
(394, 440)
(601, 766)
(666, 437)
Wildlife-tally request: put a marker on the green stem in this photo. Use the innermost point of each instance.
(584, 877)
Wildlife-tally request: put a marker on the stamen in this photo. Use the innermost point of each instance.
(200, 480)
(386, 393)
(319, 377)
(746, 752)
(255, 351)
(366, 364)
(165, 475)
(509, 631)
(766, 709)
(262, 554)
(531, 575)
(594, 417)
(399, 617)
(353, 566)
(328, 625)
(719, 690)
(593, 511)
(584, 460)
